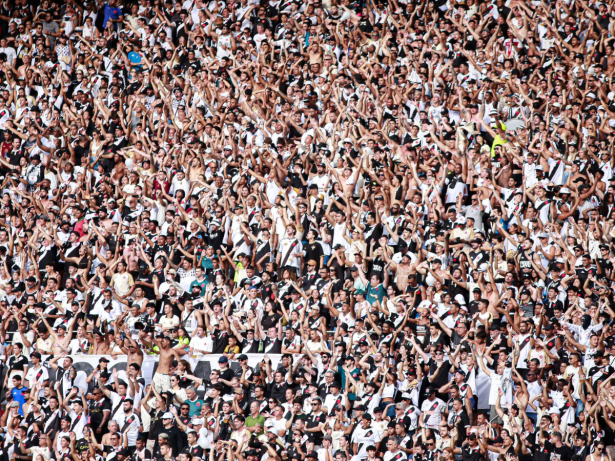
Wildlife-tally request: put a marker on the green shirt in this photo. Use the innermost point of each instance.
(195, 407)
(374, 293)
(258, 421)
(203, 284)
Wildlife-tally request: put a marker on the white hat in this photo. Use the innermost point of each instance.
(461, 220)
(460, 299)
(167, 415)
(426, 304)
(163, 288)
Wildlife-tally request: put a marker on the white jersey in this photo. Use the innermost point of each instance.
(364, 438)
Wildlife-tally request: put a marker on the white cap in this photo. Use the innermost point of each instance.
(461, 220)
(167, 415)
(426, 304)
(460, 299)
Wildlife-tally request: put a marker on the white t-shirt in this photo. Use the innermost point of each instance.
(433, 412)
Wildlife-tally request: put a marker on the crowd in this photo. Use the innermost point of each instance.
(386, 226)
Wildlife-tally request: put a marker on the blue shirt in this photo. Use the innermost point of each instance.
(112, 12)
(19, 397)
(135, 58)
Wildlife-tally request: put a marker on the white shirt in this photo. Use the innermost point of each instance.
(433, 412)
(202, 344)
(364, 438)
(133, 423)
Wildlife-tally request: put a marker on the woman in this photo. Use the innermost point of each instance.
(270, 317)
(388, 393)
(179, 393)
(421, 324)
(17, 365)
(186, 378)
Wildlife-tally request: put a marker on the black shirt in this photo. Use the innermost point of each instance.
(176, 438)
(278, 391)
(563, 453)
(97, 409)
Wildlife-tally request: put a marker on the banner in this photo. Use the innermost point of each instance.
(201, 366)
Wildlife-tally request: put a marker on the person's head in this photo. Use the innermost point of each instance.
(127, 405)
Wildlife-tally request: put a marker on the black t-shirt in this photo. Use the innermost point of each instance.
(227, 375)
(176, 438)
(15, 156)
(97, 409)
(563, 453)
(313, 251)
(278, 391)
(155, 425)
(196, 451)
(270, 320)
(442, 377)
(220, 340)
(470, 454)
(18, 363)
(313, 421)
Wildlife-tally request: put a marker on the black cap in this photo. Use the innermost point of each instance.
(242, 357)
(103, 359)
(311, 454)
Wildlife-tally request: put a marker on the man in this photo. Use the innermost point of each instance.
(37, 373)
(130, 424)
(458, 417)
(141, 452)
(76, 409)
(316, 421)
(200, 344)
(241, 435)
(117, 398)
(290, 250)
(255, 423)
(193, 447)
(99, 410)
(173, 434)
(196, 404)
(431, 409)
(363, 436)
(162, 380)
(393, 452)
(17, 392)
(470, 449)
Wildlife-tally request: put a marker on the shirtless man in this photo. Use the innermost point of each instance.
(403, 269)
(132, 350)
(100, 342)
(60, 338)
(162, 380)
(131, 256)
